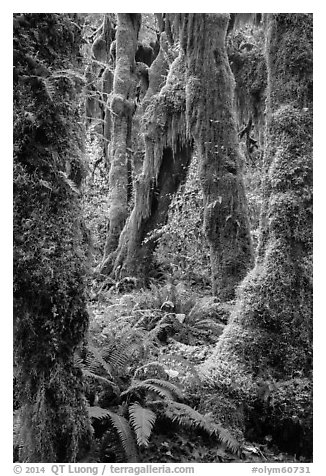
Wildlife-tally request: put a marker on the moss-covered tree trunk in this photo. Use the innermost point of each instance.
(267, 347)
(107, 86)
(122, 108)
(49, 304)
(167, 156)
(97, 72)
(173, 117)
(211, 122)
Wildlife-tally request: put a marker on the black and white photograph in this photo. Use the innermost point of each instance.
(162, 242)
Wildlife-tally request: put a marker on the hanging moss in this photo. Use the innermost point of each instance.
(49, 252)
(122, 105)
(211, 122)
(102, 44)
(269, 337)
(167, 156)
(172, 118)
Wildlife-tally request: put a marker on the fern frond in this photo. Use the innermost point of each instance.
(98, 413)
(50, 87)
(78, 361)
(174, 389)
(227, 439)
(142, 421)
(187, 416)
(98, 360)
(149, 387)
(90, 374)
(70, 183)
(64, 73)
(156, 366)
(191, 418)
(121, 355)
(122, 427)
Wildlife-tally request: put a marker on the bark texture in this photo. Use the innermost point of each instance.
(107, 86)
(176, 114)
(123, 108)
(167, 156)
(211, 122)
(50, 317)
(267, 347)
(97, 82)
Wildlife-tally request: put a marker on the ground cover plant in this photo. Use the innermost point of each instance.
(163, 238)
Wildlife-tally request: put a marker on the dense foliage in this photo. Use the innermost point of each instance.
(156, 159)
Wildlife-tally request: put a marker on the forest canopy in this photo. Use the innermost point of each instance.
(162, 237)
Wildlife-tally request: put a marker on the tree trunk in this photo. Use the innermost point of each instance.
(167, 156)
(123, 108)
(107, 86)
(50, 317)
(211, 122)
(267, 347)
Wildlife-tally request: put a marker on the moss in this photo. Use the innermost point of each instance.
(49, 303)
(284, 411)
(290, 55)
(53, 428)
(211, 122)
(123, 107)
(167, 156)
(248, 64)
(269, 336)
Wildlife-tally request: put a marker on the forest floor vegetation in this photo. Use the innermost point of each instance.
(163, 335)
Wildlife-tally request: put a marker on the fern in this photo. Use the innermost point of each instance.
(88, 373)
(158, 368)
(119, 355)
(123, 429)
(93, 364)
(150, 385)
(69, 183)
(50, 81)
(191, 418)
(69, 73)
(174, 389)
(50, 87)
(227, 439)
(142, 421)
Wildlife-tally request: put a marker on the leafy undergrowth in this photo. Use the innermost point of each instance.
(140, 370)
(193, 448)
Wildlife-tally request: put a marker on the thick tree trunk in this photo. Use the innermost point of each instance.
(167, 156)
(49, 303)
(211, 122)
(123, 108)
(268, 342)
